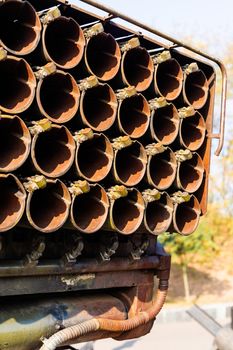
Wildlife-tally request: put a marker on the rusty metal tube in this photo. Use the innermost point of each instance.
(168, 76)
(48, 203)
(94, 155)
(17, 85)
(137, 68)
(186, 214)
(161, 166)
(32, 318)
(126, 210)
(20, 27)
(52, 150)
(15, 143)
(98, 107)
(164, 122)
(133, 115)
(58, 96)
(95, 324)
(192, 131)
(12, 201)
(190, 171)
(158, 212)
(195, 86)
(63, 42)
(89, 207)
(102, 54)
(129, 164)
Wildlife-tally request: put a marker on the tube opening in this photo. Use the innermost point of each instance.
(130, 164)
(99, 107)
(58, 97)
(158, 215)
(193, 132)
(127, 214)
(64, 42)
(89, 210)
(103, 56)
(14, 143)
(48, 208)
(12, 202)
(134, 116)
(165, 124)
(168, 79)
(19, 27)
(53, 151)
(18, 85)
(196, 89)
(94, 158)
(162, 169)
(186, 217)
(138, 68)
(191, 174)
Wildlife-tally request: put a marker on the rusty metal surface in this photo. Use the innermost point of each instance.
(12, 202)
(47, 207)
(134, 155)
(22, 36)
(94, 156)
(105, 239)
(98, 107)
(51, 314)
(40, 284)
(137, 106)
(57, 96)
(83, 266)
(52, 150)
(15, 141)
(102, 56)
(177, 44)
(67, 52)
(89, 209)
(19, 89)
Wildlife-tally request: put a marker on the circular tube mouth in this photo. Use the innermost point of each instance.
(186, 216)
(15, 143)
(190, 174)
(20, 27)
(12, 201)
(192, 132)
(164, 124)
(137, 68)
(129, 165)
(89, 210)
(63, 42)
(134, 116)
(98, 107)
(126, 213)
(18, 85)
(196, 89)
(58, 97)
(161, 169)
(48, 208)
(158, 214)
(168, 79)
(94, 158)
(103, 56)
(53, 151)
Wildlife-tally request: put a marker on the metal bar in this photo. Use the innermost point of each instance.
(204, 319)
(83, 266)
(232, 317)
(186, 46)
